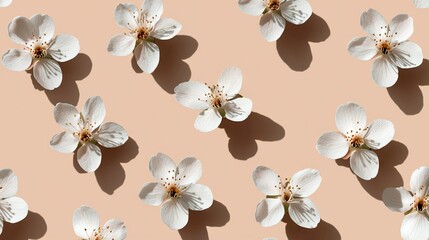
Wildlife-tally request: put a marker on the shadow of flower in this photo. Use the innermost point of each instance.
(323, 230)
(31, 227)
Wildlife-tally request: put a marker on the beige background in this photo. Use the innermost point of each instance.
(296, 85)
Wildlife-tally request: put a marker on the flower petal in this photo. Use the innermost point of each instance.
(398, 199)
(208, 120)
(415, 226)
(67, 116)
(21, 30)
(175, 214)
(304, 213)
(379, 134)
(17, 60)
(192, 95)
(114, 229)
(152, 193)
(267, 181)
(85, 221)
(64, 48)
(421, 3)
(89, 157)
(198, 197)
(4, 3)
(230, 82)
(126, 15)
(364, 163)
(362, 48)
(8, 183)
(269, 212)
(239, 109)
(189, 171)
(332, 145)
(305, 182)
(64, 142)
(272, 26)
(166, 29)
(162, 167)
(1, 219)
(384, 72)
(121, 45)
(48, 74)
(252, 7)
(401, 27)
(350, 118)
(419, 181)
(111, 135)
(152, 10)
(407, 55)
(373, 23)
(13, 209)
(147, 56)
(44, 27)
(94, 112)
(296, 11)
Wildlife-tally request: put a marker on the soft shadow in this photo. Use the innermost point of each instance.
(243, 135)
(293, 46)
(323, 230)
(74, 70)
(31, 227)
(196, 229)
(406, 92)
(393, 154)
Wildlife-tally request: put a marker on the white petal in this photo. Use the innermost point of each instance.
(64, 48)
(121, 45)
(64, 142)
(350, 117)
(67, 116)
(332, 145)
(189, 171)
(114, 229)
(407, 55)
(252, 7)
(421, 3)
(126, 15)
(152, 10)
(175, 214)
(192, 94)
(111, 135)
(305, 182)
(208, 120)
(364, 163)
(296, 11)
(304, 213)
(415, 227)
(373, 22)
(230, 82)
(13, 209)
(379, 134)
(4, 3)
(272, 25)
(44, 27)
(384, 72)
(269, 212)
(198, 197)
(398, 199)
(147, 56)
(89, 157)
(239, 109)
(8, 183)
(419, 181)
(267, 181)
(17, 60)
(21, 30)
(48, 74)
(1, 220)
(401, 27)
(85, 221)
(162, 167)
(166, 29)
(362, 48)
(94, 112)
(152, 193)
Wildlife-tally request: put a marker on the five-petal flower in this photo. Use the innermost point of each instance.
(84, 130)
(42, 51)
(388, 44)
(144, 28)
(177, 189)
(414, 204)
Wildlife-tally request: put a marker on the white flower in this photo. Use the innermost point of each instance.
(84, 130)
(177, 189)
(5, 3)
(292, 194)
(421, 3)
(275, 13)
(42, 51)
(414, 204)
(356, 140)
(86, 225)
(144, 27)
(12, 209)
(388, 44)
(217, 101)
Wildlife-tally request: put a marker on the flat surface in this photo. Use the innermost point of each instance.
(296, 85)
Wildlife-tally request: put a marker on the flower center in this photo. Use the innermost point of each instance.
(39, 52)
(216, 96)
(85, 135)
(273, 5)
(420, 204)
(143, 33)
(173, 191)
(356, 141)
(385, 47)
(287, 194)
